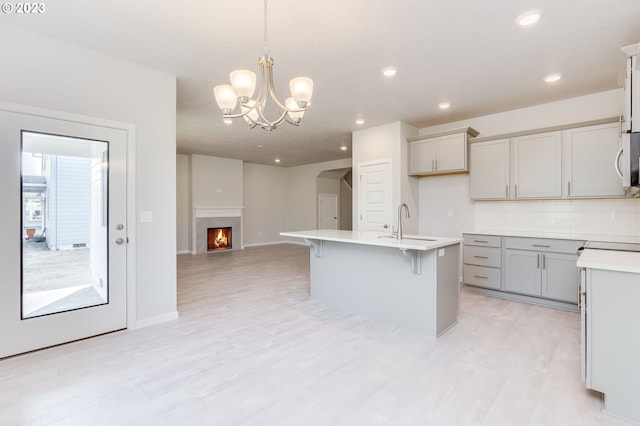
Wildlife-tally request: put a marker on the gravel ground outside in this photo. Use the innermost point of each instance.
(44, 269)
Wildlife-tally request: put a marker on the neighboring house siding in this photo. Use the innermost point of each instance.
(74, 200)
(68, 181)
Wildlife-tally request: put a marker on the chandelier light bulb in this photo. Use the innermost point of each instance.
(293, 110)
(301, 90)
(225, 97)
(244, 84)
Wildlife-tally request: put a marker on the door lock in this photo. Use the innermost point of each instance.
(119, 240)
(119, 227)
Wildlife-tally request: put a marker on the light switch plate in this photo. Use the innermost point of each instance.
(146, 217)
(440, 252)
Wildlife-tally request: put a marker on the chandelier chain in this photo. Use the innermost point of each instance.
(266, 44)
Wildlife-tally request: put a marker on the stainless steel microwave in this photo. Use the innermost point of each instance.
(627, 161)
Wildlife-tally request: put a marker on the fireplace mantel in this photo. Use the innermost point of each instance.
(208, 211)
(206, 216)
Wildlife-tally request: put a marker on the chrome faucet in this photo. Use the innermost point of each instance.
(406, 208)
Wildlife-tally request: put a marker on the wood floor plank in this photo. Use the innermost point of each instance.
(251, 348)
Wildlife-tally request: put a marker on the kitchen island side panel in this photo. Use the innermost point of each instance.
(378, 282)
(448, 273)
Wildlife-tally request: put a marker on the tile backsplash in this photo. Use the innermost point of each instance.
(614, 217)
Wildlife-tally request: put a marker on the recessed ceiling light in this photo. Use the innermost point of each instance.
(227, 121)
(389, 71)
(277, 160)
(529, 18)
(552, 78)
(343, 147)
(444, 105)
(260, 146)
(360, 121)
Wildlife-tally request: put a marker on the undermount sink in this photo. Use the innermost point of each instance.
(417, 238)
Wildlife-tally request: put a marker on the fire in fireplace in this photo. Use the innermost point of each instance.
(218, 239)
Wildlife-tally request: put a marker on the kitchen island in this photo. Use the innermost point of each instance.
(412, 282)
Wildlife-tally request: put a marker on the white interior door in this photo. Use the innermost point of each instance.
(327, 211)
(64, 247)
(375, 197)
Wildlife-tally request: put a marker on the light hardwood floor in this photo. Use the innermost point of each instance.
(250, 348)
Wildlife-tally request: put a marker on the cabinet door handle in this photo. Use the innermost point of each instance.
(481, 257)
(506, 187)
(516, 195)
(482, 278)
(540, 245)
(538, 260)
(569, 189)
(544, 261)
(481, 241)
(436, 165)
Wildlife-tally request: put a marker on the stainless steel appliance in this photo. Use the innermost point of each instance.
(607, 245)
(630, 155)
(630, 128)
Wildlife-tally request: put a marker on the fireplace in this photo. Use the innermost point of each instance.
(206, 218)
(219, 239)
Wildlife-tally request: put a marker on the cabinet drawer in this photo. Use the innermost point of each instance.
(481, 276)
(543, 244)
(482, 240)
(482, 256)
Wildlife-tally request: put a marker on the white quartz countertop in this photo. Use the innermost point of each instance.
(560, 236)
(408, 242)
(610, 260)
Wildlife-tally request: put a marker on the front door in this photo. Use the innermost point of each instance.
(63, 247)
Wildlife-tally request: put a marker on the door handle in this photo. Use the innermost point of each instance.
(538, 259)
(119, 240)
(119, 227)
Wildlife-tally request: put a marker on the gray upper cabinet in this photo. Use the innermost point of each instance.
(537, 162)
(564, 162)
(439, 154)
(590, 152)
(489, 170)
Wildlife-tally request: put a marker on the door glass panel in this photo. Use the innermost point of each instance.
(64, 224)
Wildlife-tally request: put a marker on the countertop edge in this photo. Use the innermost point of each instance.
(373, 241)
(609, 260)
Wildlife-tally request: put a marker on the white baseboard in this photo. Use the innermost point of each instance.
(184, 252)
(146, 322)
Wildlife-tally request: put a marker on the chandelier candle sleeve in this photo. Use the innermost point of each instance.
(254, 111)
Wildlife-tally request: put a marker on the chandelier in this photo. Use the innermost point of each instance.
(243, 85)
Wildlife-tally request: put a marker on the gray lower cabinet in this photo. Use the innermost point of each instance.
(482, 257)
(560, 277)
(522, 272)
(538, 270)
(549, 275)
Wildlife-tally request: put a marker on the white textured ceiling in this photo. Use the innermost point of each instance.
(467, 52)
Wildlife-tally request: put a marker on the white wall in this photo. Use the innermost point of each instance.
(216, 182)
(265, 195)
(440, 195)
(41, 72)
(183, 204)
(301, 203)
